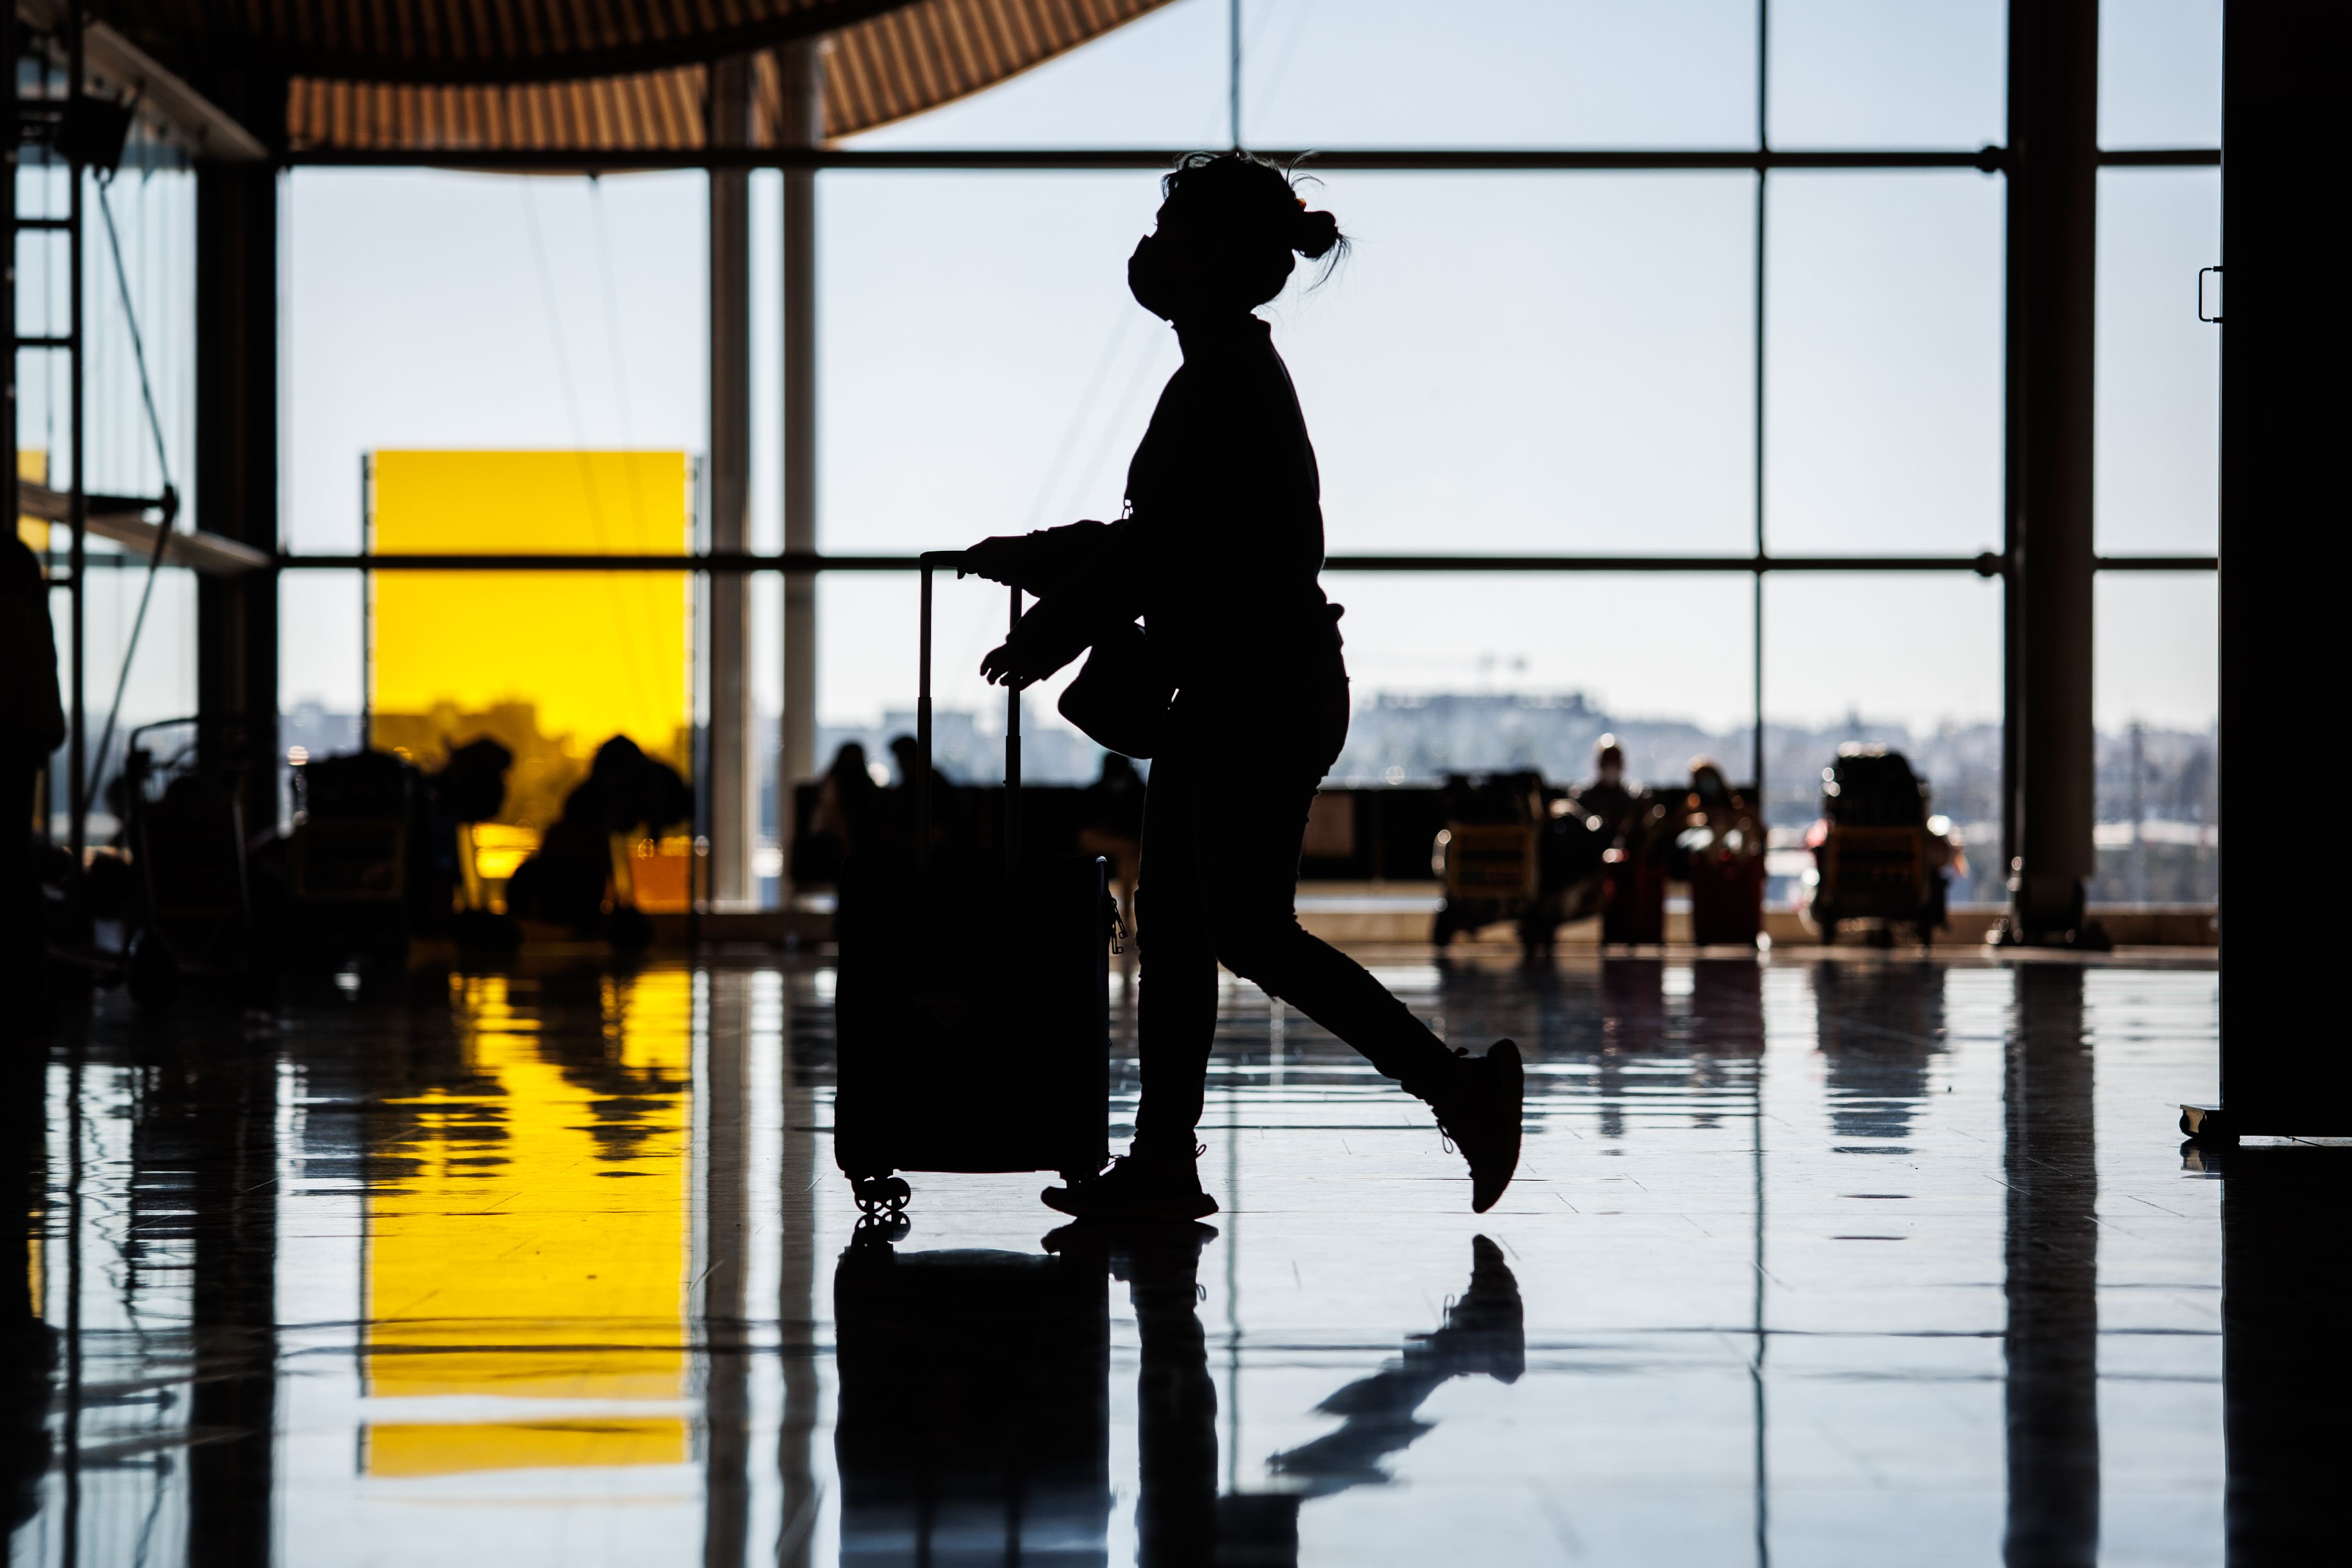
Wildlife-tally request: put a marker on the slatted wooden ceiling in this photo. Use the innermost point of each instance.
(445, 41)
(436, 77)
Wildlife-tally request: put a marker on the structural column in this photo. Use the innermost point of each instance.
(801, 67)
(2053, 97)
(733, 787)
(2286, 1364)
(2285, 1068)
(236, 458)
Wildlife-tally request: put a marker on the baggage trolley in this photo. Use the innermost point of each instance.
(193, 913)
(973, 997)
(1875, 854)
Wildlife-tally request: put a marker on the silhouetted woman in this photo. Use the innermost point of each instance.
(1219, 555)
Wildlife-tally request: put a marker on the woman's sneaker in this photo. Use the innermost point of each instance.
(1478, 1111)
(1136, 1187)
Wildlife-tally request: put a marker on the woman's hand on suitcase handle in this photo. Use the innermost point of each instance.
(997, 558)
(1008, 664)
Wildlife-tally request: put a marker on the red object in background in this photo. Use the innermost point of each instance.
(1726, 899)
(1633, 907)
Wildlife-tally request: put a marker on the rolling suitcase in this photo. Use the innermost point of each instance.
(973, 997)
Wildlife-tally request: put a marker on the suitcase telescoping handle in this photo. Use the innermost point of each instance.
(930, 561)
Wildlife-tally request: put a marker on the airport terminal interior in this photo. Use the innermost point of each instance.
(546, 989)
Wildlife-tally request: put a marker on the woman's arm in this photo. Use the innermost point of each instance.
(1038, 563)
(1107, 590)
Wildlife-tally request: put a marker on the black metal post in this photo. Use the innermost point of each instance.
(923, 728)
(1013, 757)
(2053, 87)
(1763, 143)
(2286, 1364)
(78, 760)
(236, 441)
(2285, 1068)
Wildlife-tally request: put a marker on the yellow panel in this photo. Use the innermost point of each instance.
(536, 1246)
(443, 1449)
(582, 504)
(553, 664)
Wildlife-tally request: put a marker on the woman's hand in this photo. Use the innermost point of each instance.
(998, 559)
(1010, 665)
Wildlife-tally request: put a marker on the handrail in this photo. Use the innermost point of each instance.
(1986, 564)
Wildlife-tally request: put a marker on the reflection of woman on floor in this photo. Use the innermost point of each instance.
(1180, 1517)
(1220, 555)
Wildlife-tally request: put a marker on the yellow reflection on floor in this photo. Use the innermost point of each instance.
(536, 1247)
(425, 1449)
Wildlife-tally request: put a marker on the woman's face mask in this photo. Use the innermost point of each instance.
(1173, 273)
(1148, 276)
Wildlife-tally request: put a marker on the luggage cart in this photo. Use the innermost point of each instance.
(1875, 857)
(1489, 853)
(183, 786)
(349, 855)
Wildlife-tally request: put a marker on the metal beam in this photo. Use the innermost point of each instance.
(797, 562)
(1388, 160)
(1417, 160)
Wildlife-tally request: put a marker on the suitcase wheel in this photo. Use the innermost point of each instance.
(876, 1193)
(880, 1232)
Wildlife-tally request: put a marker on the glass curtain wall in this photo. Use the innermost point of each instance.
(1752, 366)
(138, 281)
(1695, 302)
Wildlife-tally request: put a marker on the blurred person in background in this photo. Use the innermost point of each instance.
(1604, 794)
(906, 756)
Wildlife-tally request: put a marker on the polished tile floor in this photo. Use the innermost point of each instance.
(1869, 1260)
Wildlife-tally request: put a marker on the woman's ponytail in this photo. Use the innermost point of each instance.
(1313, 235)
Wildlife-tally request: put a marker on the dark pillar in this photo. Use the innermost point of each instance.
(725, 1238)
(237, 457)
(2285, 1065)
(2054, 101)
(2286, 1365)
(2051, 1346)
(228, 1119)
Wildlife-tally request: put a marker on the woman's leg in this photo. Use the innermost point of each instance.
(1176, 1011)
(1249, 823)
(1177, 1021)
